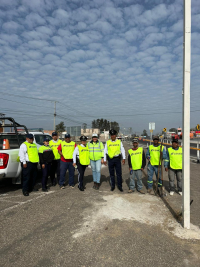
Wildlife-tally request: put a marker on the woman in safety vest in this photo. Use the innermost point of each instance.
(46, 157)
(81, 159)
(96, 151)
(137, 162)
(173, 163)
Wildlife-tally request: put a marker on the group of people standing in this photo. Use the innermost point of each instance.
(57, 156)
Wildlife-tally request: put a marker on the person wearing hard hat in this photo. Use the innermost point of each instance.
(29, 158)
(153, 156)
(81, 159)
(55, 168)
(46, 156)
(113, 150)
(173, 164)
(96, 152)
(66, 150)
(137, 163)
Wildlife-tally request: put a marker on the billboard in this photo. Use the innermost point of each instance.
(74, 130)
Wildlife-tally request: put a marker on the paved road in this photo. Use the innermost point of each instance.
(97, 228)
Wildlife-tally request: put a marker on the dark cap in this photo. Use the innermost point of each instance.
(46, 139)
(67, 136)
(54, 134)
(83, 138)
(156, 137)
(112, 132)
(174, 140)
(30, 136)
(135, 140)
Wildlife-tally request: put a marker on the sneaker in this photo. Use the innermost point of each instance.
(171, 193)
(62, 187)
(180, 193)
(131, 191)
(72, 186)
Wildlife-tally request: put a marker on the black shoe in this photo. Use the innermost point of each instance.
(26, 193)
(120, 189)
(44, 190)
(112, 189)
(35, 190)
(81, 188)
(54, 184)
(97, 186)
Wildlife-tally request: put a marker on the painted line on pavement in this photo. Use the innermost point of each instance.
(28, 201)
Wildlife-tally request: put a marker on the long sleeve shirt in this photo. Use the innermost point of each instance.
(122, 150)
(143, 160)
(23, 155)
(167, 160)
(76, 154)
(46, 156)
(163, 154)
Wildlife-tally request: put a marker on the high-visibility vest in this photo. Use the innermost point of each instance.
(95, 150)
(154, 152)
(68, 149)
(136, 158)
(175, 158)
(54, 146)
(84, 157)
(44, 148)
(32, 152)
(114, 148)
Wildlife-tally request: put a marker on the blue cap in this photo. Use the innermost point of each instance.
(30, 136)
(54, 134)
(46, 139)
(67, 136)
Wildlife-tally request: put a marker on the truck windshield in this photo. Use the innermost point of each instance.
(39, 138)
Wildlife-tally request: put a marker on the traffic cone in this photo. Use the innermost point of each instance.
(6, 144)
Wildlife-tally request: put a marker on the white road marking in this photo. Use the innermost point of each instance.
(28, 201)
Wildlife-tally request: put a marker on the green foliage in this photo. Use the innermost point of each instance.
(60, 127)
(144, 133)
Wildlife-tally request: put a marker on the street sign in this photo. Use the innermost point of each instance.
(151, 131)
(152, 125)
(74, 130)
(164, 130)
(198, 127)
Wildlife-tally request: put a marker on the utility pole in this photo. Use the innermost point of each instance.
(186, 113)
(54, 116)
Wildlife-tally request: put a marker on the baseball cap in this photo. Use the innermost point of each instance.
(67, 136)
(46, 139)
(95, 135)
(54, 134)
(30, 136)
(135, 140)
(156, 137)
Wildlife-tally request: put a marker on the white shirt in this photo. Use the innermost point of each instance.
(76, 153)
(23, 155)
(121, 149)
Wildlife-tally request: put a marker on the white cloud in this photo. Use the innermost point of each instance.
(33, 20)
(11, 26)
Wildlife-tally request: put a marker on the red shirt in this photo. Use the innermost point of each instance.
(62, 158)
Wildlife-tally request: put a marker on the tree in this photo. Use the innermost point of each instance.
(105, 124)
(60, 127)
(144, 132)
(84, 127)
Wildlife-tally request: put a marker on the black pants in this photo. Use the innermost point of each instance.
(55, 168)
(114, 164)
(81, 171)
(45, 173)
(29, 176)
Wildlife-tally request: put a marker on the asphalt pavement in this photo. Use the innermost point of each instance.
(97, 228)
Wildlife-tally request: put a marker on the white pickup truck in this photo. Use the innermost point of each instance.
(10, 167)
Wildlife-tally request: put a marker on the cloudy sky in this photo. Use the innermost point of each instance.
(114, 59)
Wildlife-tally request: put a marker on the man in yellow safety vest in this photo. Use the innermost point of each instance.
(66, 150)
(81, 159)
(113, 150)
(29, 158)
(173, 164)
(96, 150)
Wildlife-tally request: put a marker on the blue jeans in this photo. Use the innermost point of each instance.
(64, 166)
(96, 170)
(138, 175)
(150, 171)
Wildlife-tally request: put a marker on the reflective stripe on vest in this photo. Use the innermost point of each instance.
(175, 158)
(68, 149)
(32, 152)
(44, 148)
(154, 152)
(114, 148)
(136, 158)
(54, 146)
(95, 150)
(84, 155)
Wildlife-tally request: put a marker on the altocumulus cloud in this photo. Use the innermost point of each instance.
(125, 55)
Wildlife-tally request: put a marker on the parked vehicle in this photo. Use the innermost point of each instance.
(10, 166)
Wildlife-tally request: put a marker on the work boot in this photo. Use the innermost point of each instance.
(94, 186)
(131, 191)
(141, 191)
(149, 190)
(97, 186)
(112, 189)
